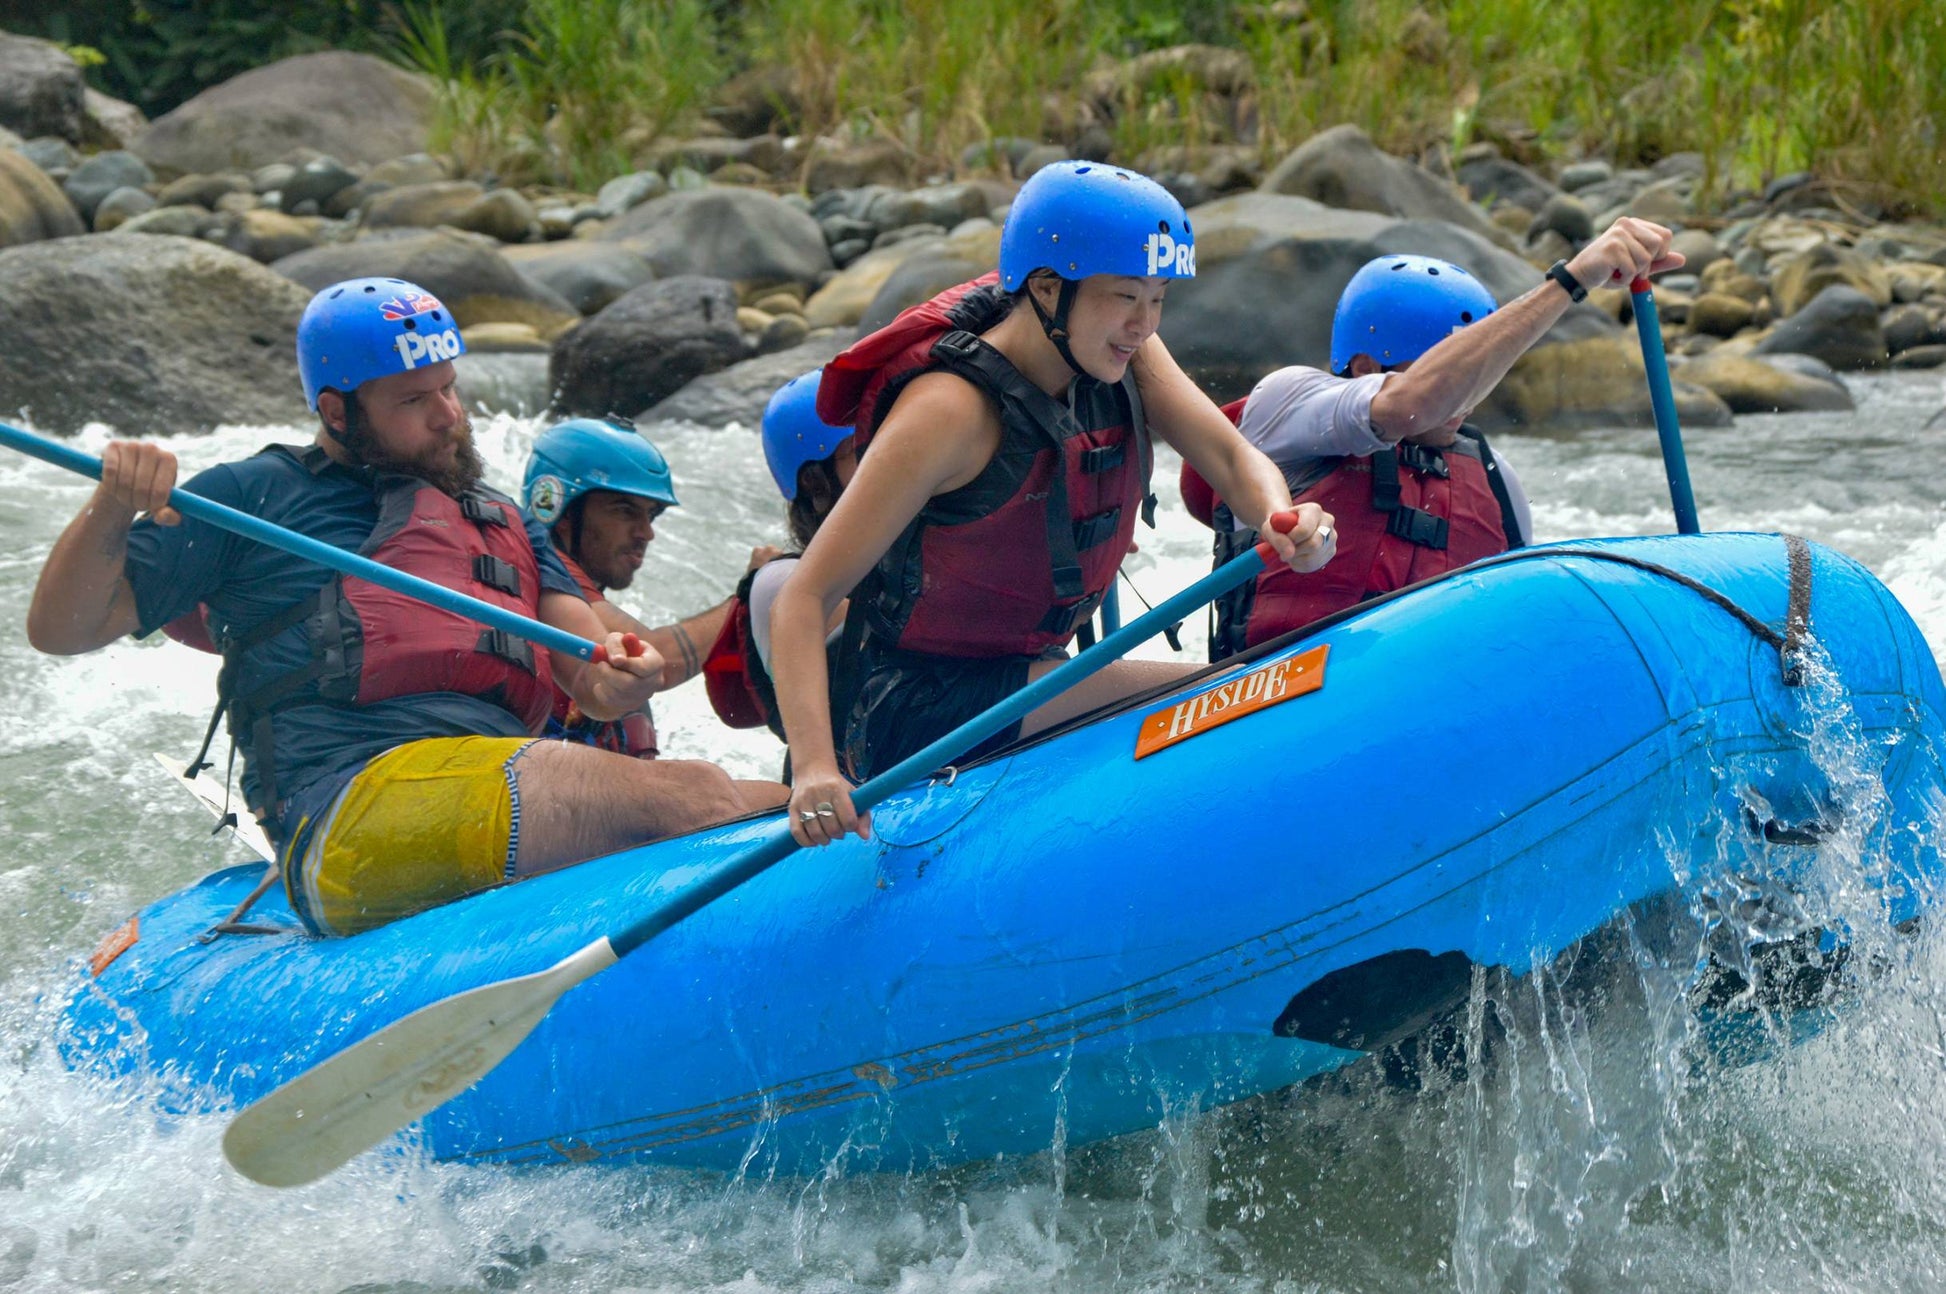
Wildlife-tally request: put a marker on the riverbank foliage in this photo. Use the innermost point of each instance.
(579, 89)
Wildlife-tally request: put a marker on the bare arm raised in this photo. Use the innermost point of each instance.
(1453, 377)
(83, 599)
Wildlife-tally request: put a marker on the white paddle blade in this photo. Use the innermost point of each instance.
(212, 797)
(315, 1123)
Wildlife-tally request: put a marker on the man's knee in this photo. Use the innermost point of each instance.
(700, 792)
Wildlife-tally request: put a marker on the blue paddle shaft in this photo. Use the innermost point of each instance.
(1662, 397)
(337, 559)
(719, 881)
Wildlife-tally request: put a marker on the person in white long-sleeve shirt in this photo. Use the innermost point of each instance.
(1381, 440)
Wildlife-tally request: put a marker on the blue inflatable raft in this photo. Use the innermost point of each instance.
(1065, 941)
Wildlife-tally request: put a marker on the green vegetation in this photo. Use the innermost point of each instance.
(575, 90)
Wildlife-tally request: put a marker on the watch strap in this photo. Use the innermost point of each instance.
(1560, 273)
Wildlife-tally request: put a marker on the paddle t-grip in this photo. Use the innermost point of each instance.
(631, 643)
(1283, 523)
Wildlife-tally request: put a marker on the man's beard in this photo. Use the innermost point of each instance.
(461, 476)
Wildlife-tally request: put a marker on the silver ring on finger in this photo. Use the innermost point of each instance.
(1326, 536)
(805, 815)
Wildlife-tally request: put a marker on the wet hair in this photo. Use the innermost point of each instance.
(818, 489)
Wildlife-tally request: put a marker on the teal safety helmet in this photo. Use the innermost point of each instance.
(1397, 308)
(1080, 219)
(582, 454)
(361, 329)
(793, 433)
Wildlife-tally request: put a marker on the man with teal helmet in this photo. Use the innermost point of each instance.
(599, 485)
(1380, 440)
(388, 745)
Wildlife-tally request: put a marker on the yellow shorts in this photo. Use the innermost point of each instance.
(423, 824)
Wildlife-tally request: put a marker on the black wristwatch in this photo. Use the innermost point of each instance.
(1560, 273)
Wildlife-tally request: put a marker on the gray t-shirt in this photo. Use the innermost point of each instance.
(1300, 415)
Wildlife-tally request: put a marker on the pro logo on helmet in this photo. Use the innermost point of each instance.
(434, 346)
(544, 498)
(1165, 253)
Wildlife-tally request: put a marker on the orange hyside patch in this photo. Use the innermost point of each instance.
(119, 940)
(1266, 685)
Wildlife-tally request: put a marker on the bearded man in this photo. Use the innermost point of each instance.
(389, 746)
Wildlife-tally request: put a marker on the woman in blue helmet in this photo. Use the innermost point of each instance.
(599, 485)
(1003, 459)
(1416, 343)
(812, 462)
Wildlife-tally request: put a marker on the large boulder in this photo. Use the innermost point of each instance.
(1840, 326)
(1270, 269)
(421, 206)
(108, 122)
(1341, 167)
(32, 207)
(149, 333)
(647, 346)
(41, 90)
(1492, 180)
(739, 393)
(742, 235)
(1594, 382)
(357, 108)
(466, 271)
(1749, 385)
(588, 275)
(860, 289)
(939, 264)
(1797, 282)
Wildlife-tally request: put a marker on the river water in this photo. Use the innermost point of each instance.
(1594, 1157)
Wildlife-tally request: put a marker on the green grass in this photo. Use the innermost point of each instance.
(1854, 90)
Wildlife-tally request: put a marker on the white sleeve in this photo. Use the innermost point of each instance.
(1297, 415)
(1517, 496)
(765, 585)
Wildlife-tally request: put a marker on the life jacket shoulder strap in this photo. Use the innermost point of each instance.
(1497, 480)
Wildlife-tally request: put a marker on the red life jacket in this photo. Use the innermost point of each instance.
(1013, 562)
(1402, 517)
(632, 734)
(739, 687)
(369, 644)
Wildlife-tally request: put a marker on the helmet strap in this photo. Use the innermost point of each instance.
(1056, 324)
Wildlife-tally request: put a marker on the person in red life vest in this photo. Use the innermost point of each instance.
(1381, 440)
(1002, 438)
(599, 485)
(812, 462)
(389, 746)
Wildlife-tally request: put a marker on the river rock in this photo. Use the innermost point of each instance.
(739, 393)
(41, 90)
(1341, 167)
(1579, 175)
(505, 338)
(1750, 385)
(737, 234)
(1270, 269)
(1593, 382)
(108, 122)
(318, 180)
(267, 236)
(183, 221)
(32, 206)
(1699, 249)
(119, 207)
(466, 271)
(1840, 326)
(782, 333)
(512, 382)
(1799, 280)
(646, 346)
(1565, 215)
(353, 107)
(1920, 357)
(861, 291)
(876, 162)
(626, 192)
(101, 175)
(421, 206)
(202, 190)
(765, 152)
(52, 154)
(1907, 326)
(756, 100)
(1493, 180)
(502, 213)
(202, 336)
(1726, 278)
(1915, 280)
(587, 275)
(1718, 314)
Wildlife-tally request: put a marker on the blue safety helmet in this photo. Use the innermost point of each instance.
(1397, 308)
(794, 434)
(1080, 219)
(582, 454)
(360, 329)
